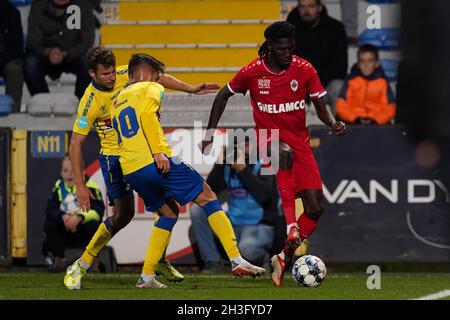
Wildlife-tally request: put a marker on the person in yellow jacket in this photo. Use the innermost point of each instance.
(66, 225)
(366, 97)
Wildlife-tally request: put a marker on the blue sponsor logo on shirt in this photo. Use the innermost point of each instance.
(82, 122)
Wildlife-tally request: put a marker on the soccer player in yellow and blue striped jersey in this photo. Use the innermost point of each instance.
(163, 181)
(94, 110)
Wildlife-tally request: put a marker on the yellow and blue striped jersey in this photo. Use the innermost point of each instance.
(94, 109)
(135, 116)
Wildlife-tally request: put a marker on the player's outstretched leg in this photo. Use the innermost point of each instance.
(159, 239)
(312, 200)
(285, 184)
(165, 268)
(293, 241)
(313, 210)
(221, 226)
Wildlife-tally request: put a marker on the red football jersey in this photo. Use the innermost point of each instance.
(278, 98)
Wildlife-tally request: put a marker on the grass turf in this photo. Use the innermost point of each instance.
(45, 286)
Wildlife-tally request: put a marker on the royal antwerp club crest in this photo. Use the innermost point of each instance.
(264, 83)
(294, 85)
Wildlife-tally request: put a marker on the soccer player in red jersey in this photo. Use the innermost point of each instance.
(279, 83)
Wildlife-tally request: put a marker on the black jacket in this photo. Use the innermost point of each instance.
(263, 189)
(45, 30)
(11, 35)
(324, 45)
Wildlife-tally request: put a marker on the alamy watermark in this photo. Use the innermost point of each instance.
(374, 19)
(374, 279)
(74, 20)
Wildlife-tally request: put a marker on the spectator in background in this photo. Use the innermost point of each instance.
(322, 41)
(54, 45)
(65, 224)
(366, 97)
(97, 9)
(252, 208)
(11, 51)
(349, 14)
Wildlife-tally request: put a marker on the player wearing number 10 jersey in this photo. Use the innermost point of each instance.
(94, 110)
(279, 84)
(161, 180)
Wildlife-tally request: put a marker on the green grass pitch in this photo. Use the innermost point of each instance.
(46, 286)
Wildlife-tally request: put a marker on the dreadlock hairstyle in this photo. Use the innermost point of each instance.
(142, 58)
(277, 30)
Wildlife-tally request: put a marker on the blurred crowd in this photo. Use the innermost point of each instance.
(57, 42)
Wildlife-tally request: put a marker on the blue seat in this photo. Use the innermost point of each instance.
(6, 105)
(2, 81)
(20, 3)
(383, 39)
(390, 68)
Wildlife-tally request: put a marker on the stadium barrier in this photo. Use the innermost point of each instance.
(19, 194)
(5, 203)
(381, 206)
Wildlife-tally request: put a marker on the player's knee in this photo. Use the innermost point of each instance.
(206, 196)
(315, 210)
(285, 156)
(174, 208)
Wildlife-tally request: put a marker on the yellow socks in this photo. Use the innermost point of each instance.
(97, 243)
(157, 244)
(221, 226)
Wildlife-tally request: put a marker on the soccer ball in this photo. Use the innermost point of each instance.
(309, 271)
(70, 204)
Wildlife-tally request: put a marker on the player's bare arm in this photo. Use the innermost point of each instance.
(76, 157)
(327, 118)
(170, 82)
(217, 110)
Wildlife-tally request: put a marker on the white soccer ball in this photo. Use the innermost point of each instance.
(309, 271)
(70, 204)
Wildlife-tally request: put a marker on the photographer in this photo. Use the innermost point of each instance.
(252, 208)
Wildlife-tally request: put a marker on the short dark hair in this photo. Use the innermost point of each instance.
(368, 48)
(277, 30)
(139, 59)
(100, 55)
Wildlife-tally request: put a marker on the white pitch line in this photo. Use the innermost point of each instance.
(435, 296)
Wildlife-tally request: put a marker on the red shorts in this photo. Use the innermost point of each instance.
(304, 170)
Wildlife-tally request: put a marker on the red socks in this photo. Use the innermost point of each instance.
(306, 226)
(286, 188)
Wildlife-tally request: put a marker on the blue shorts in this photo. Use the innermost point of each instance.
(182, 183)
(116, 187)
